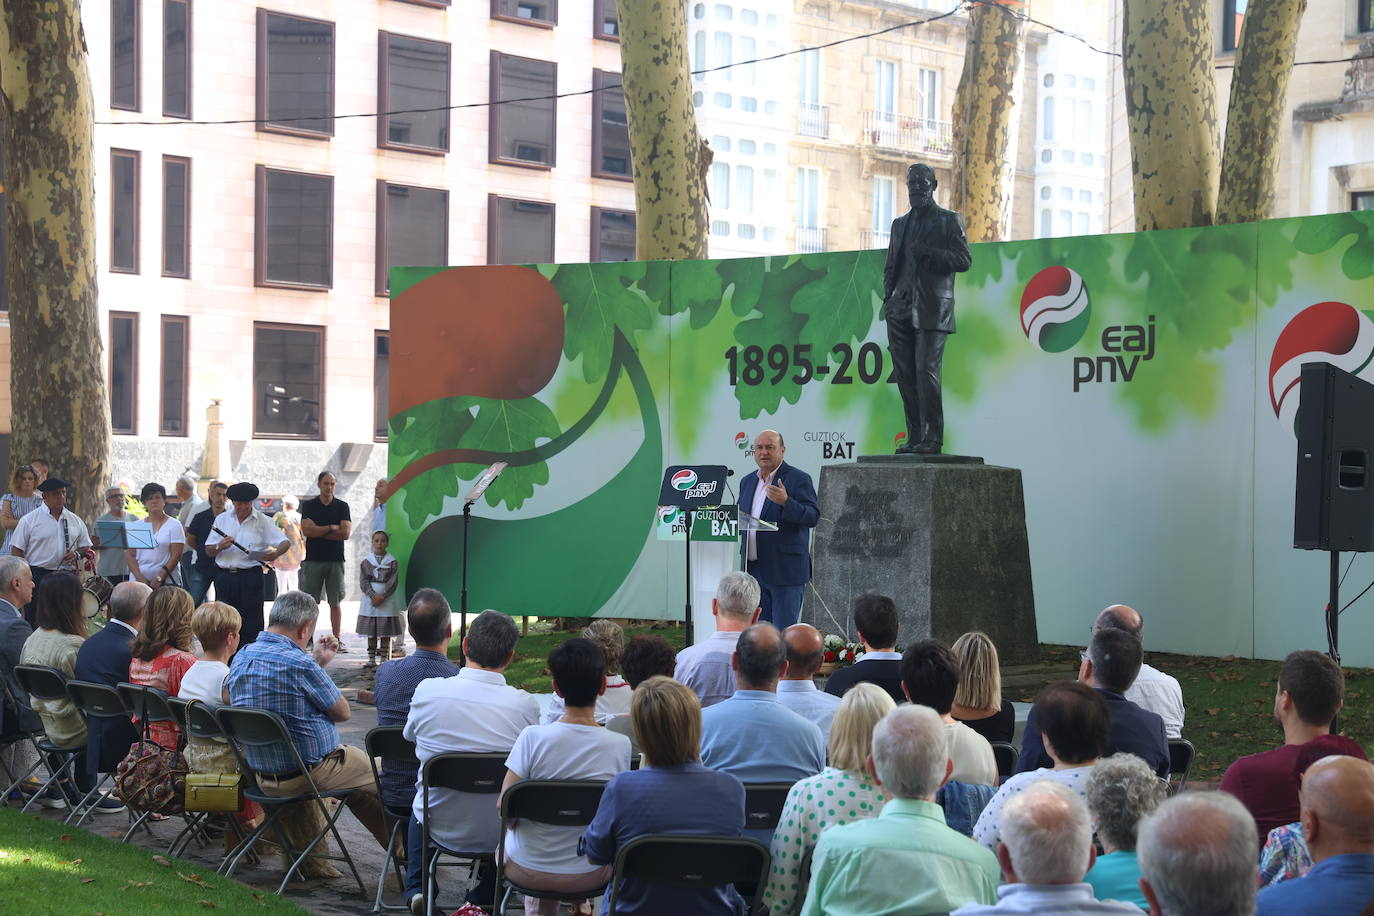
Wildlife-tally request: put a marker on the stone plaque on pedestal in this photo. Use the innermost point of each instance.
(944, 536)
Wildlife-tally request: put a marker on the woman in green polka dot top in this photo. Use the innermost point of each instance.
(843, 792)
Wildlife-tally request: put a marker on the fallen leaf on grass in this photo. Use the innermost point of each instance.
(65, 837)
(163, 861)
(1213, 711)
(194, 879)
(129, 884)
(87, 880)
(210, 904)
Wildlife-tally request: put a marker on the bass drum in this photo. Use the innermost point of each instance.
(95, 596)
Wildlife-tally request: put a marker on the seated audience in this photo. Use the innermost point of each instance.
(844, 791)
(60, 631)
(797, 689)
(978, 701)
(1337, 800)
(1121, 790)
(1075, 724)
(1046, 849)
(615, 701)
(905, 860)
(1308, 695)
(1109, 667)
(475, 711)
(275, 673)
(875, 620)
(104, 659)
(16, 588)
(1285, 855)
(751, 735)
(1197, 856)
(544, 856)
(671, 792)
(1152, 689)
(645, 657)
(162, 652)
(430, 622)
(930, 677)
(705, 667)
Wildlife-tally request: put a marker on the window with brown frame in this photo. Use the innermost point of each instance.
(288, 381)
(176, 216)
(610, 128)
(1232, 23)
(175, 341)
(412, 76)
(613, 235)
(126, 55)
(381, 384)
(295, 75)
(124, 211)
(123, 373)
(542, 13)
(1364, 16)
(176, 58)
(519, 231)
(523, 132)
(294, 237)
(606, 21)
(440, 4)
(412, 229)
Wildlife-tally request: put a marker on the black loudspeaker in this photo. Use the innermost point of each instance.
(1334, 507)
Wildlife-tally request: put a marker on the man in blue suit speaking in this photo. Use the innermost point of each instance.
(780, 560)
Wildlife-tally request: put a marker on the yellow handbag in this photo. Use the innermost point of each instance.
(222, 792)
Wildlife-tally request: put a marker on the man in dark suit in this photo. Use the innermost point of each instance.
(104, 659)
(927, 248)
(1109, 666)
(16, 588)
(875, 619)
(780, 560)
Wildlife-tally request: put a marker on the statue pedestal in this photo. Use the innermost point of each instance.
(944, 536)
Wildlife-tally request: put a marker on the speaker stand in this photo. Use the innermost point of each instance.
(1333, 621)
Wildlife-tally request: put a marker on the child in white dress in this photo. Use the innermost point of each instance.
(379, 612)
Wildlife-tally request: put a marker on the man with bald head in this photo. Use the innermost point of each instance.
(104, 659)
(797, 689)
(780, 560)
(1338, 822)
(1153, 689)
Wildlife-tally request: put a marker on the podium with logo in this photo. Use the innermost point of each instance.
(694, 507)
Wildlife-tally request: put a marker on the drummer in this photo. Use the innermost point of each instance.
(50, 538)
(110, 559)
(243, 541)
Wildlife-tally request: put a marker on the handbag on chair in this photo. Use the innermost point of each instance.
(217, 792)
(152, 777)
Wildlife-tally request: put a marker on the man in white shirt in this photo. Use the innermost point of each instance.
(475, 711)
(797, 689)
(705, 667)
(243, 541)
(1153, 689)
(50, 538)
(191, 503)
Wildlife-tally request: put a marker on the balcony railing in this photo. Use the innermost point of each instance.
(813, 120)
(874, 238)
(810, 239)
(906, 134)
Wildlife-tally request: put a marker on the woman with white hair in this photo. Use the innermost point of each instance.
(844, 791)
(1121, 791)
(288, 565)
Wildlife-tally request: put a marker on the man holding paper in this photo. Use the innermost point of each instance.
(243, 541)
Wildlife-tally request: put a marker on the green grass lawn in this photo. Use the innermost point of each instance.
(1230, 704)
(46, 867)
(530, 670)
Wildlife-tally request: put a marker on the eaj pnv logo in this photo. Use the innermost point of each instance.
(1055, 309)
(742, 442)
(1331, 332)
(685, 479)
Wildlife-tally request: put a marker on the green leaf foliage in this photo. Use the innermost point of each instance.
(839, 305)
(600, 298)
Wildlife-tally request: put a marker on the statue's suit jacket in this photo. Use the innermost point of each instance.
(930, 300)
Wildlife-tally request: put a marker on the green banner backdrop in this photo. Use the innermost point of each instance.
(1144, 383)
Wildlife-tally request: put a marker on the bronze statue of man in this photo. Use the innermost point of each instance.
(926, 250)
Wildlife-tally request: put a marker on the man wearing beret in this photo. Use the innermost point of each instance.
(243, 541)
(50, 538)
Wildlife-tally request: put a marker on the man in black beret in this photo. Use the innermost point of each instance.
(50, 538)
(243, 542)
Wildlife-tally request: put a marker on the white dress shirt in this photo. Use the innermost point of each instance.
(756, 510)
(705, 667)
(39, 535)
(1160, 694)
(475, 712)
(811, 704)
(256, 533)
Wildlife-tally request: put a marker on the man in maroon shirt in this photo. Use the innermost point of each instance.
(1308, 697)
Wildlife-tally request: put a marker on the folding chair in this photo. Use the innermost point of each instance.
(20, 734)
(1181, 754)
(479, 774)
(261, 730)
(387, 742)
(763, 803)
(197, 720)
(559, 803)
(43, 683)
(695, 862)
(97, 701)
(1005, 753)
